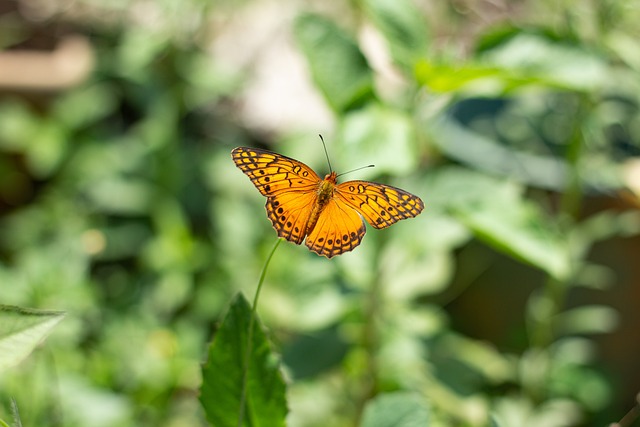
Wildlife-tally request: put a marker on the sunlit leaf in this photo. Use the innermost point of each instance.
(21, 330)
(337, 65)
(606, 225)
(444, 77)
(400, 409)
(591, 319)
(551, 61)
(98, 406)
(478, 356)
(17, 126)
(514, 58)
(482, 153)
(137, 49)
(403, 27)
(498, 214)
(519, 411)
(85, 106)
(380, 136)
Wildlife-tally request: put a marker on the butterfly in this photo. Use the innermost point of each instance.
(326, 215)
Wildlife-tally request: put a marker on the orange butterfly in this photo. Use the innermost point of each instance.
(328, 214)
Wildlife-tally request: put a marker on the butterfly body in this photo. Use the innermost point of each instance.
(326, 215)
(325, 194)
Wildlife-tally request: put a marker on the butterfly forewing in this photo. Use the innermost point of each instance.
(272, 173)
(289, 213)
(381, 205)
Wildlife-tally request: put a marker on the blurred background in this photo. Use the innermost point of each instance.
(512, 300)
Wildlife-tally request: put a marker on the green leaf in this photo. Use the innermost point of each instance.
(223, 374)
(591, 319)
(381, 136)
(514, 410)
(21, 330)
(539, 55)
(313, 353)
(485, 154)
(17, 126)
(497, 213)
(606, 225)
(514, 58)
(138, 49)
(337, 65)
(400, 409)
(85, 106)
(403, 26)
(443, 77)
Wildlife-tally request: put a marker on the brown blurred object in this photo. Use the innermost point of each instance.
(42, 53)
(68, 64)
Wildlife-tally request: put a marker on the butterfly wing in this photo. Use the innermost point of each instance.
(273, 173)
(289, 185)
(339, 229)
(381, 205)
(289, 213)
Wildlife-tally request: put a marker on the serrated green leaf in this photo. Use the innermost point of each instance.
(223, 374)
(403, 26)
(337, 65)
(400, 409)
(21, 330)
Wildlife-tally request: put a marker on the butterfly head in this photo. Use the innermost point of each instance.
(331, 177)
(328, 184)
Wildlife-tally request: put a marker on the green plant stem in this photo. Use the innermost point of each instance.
(254, 307)
(554, 291)
(572, 197)
(371, 338)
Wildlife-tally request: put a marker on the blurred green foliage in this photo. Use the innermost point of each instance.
(120, 205)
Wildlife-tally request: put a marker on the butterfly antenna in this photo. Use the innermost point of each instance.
(357, 169)
(325, 152)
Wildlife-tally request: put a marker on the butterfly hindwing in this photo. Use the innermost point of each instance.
(339, 229)
(272, 173)
(381, 205)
